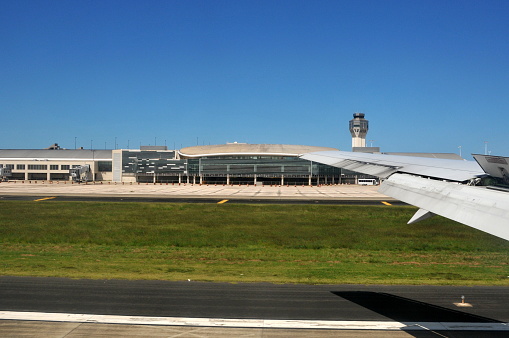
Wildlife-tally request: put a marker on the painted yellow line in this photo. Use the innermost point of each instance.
(45, 198)
(223, 201)
(386, 203)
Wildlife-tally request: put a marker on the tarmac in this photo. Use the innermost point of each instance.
(186, 190)
(60, 307)
(43, 328)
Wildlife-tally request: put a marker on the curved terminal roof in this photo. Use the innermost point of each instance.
(244, 149)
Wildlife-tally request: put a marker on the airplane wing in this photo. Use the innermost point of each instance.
(472, 193)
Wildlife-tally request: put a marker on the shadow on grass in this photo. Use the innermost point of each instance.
(407, 310)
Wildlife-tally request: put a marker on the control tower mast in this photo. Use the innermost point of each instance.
(358, 129)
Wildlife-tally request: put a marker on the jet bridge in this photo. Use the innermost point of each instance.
(5, 173)
(80, 173)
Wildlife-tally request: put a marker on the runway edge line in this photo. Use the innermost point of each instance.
(252, 323)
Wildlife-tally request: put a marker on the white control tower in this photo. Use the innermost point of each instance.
(359, 130)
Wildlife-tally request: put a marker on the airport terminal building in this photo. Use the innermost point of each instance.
(231, 163)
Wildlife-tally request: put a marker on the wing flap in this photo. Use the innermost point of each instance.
(366, 168)
(385, 165)
(420, 215)
(483, 209)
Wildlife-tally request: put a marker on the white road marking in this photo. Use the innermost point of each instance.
(253, 323)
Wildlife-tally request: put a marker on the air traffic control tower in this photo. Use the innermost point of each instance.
(359, 130)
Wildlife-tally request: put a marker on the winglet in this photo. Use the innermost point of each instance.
(420, 215)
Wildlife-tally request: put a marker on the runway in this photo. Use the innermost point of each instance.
(257, 308)
(55, 307)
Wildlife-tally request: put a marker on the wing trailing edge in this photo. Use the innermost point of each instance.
(478, 207)
(434, 186)
(385, 165)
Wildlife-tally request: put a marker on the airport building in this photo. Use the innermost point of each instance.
(231, 163)
(53, 164)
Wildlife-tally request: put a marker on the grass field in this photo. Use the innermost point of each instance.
(245, 243)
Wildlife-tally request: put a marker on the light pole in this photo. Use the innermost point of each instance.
(75, 142)
(93, 164)
(460, 150)
(485, 147)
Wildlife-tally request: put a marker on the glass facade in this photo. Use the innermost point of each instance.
(146, 164)
(105, 166)
(152, 162)
(262, 167)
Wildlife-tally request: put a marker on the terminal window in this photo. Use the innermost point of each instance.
(37, 167)
(104, 166)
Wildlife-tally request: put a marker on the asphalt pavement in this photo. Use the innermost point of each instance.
(258, 308)
(56, 307)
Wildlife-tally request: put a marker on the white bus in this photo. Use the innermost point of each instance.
(367, 181)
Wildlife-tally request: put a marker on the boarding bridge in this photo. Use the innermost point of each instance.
(80, 173)
(5, 173)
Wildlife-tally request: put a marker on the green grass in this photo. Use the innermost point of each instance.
(245, 243)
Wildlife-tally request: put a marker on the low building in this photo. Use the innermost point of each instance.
(231, 163)
(54, 164)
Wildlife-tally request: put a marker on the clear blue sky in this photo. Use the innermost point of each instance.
(429, 75)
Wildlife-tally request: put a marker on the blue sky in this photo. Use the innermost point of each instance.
(429, 75)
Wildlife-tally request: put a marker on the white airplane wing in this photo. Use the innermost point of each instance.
(472, 193)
